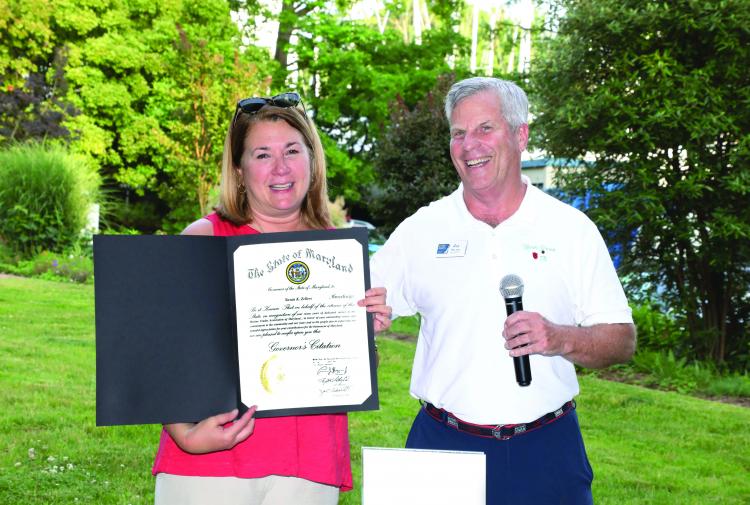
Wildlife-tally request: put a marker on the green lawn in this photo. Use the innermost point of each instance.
(646, 447)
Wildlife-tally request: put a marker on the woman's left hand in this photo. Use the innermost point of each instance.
(374, 302)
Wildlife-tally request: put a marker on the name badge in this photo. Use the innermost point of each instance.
(451, 249)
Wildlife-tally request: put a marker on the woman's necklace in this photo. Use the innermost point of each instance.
(256, 226)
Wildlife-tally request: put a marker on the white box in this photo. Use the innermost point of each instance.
(418, 476)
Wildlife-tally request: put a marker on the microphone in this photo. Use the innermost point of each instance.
(511, 287)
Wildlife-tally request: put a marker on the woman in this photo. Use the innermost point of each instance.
(273, 180)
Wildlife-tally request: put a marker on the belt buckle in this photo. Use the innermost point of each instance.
(497, 431)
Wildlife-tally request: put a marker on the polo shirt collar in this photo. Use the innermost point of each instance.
(524, 215)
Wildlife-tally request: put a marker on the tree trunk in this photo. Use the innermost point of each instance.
(474, 36)
(417, 21)
(286, 27)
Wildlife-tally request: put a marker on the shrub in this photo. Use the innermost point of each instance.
(71, 266)
(731, 385)
(412, 161)
(657, 330)
(45, 197)
(665, 371)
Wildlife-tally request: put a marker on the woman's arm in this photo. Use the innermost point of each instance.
(211, 434)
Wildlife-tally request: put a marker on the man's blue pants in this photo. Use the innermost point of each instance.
(544, 466)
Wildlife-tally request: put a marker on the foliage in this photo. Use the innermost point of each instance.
(54, 453)
(356, 72)
(45, 197)
(657, 94)
(34, 111)
(732, 385)
(666, 371)
(413, 159)
(25, 32)
(173, 102)
(32, 79)
(657, 330)
(70, 266)
(198, 98)
(156, 84)
(351, 73)
(346, 175)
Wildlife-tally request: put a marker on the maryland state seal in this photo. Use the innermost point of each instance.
(297, 272)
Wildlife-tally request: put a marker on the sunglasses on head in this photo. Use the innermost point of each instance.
(254, 104)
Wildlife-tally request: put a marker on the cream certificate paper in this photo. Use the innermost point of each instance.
(301, 337)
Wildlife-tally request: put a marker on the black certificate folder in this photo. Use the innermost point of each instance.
(166, 328)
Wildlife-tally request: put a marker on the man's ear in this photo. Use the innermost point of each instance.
(523, 136)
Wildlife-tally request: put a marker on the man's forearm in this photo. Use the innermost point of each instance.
(600, 345)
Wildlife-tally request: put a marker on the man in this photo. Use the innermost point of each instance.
(446, 261)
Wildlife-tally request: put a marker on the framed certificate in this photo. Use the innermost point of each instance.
(191, 326)
(303, 343)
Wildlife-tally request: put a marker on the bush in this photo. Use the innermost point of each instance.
(665, 371)
(412, 161)
(72, 266)
(731, 385)
(45, 197)
(658, 331)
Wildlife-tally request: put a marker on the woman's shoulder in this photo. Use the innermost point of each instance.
(202, 226)
(215, 224)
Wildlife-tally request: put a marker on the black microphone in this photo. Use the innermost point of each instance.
(511, 287)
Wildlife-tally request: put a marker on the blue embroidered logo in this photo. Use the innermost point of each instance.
(442, 248)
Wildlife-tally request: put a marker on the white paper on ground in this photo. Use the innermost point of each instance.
(418, 476)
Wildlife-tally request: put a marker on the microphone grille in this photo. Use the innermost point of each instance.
(511, 286)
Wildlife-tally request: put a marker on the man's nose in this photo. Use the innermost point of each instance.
(470, 141)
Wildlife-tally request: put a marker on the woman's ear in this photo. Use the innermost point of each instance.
(240, 181)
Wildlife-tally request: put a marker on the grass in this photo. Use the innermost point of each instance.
(646, 446)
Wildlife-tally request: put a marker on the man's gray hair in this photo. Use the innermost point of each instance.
(515, 105)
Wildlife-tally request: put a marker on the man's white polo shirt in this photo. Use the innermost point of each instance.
(446, 265)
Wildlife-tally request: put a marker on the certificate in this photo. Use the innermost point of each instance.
(191, 326)
(302, 340)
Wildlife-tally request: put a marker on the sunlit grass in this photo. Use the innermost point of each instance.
(646, 446)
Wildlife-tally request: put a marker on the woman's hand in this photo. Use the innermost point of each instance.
(211, 434)
(374, 302)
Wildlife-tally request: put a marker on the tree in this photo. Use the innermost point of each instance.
(194, 103)
(351, 74)
(34, 111)
(657, 93)
(32, 80)
(412, 160)
(155, 84)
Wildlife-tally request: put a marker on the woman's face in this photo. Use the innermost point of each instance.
(275, 169)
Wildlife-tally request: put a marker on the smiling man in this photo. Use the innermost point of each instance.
(446, 263)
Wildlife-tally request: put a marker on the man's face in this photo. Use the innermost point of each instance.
(484, 150)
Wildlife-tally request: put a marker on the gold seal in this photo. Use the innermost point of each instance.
(271, 373)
